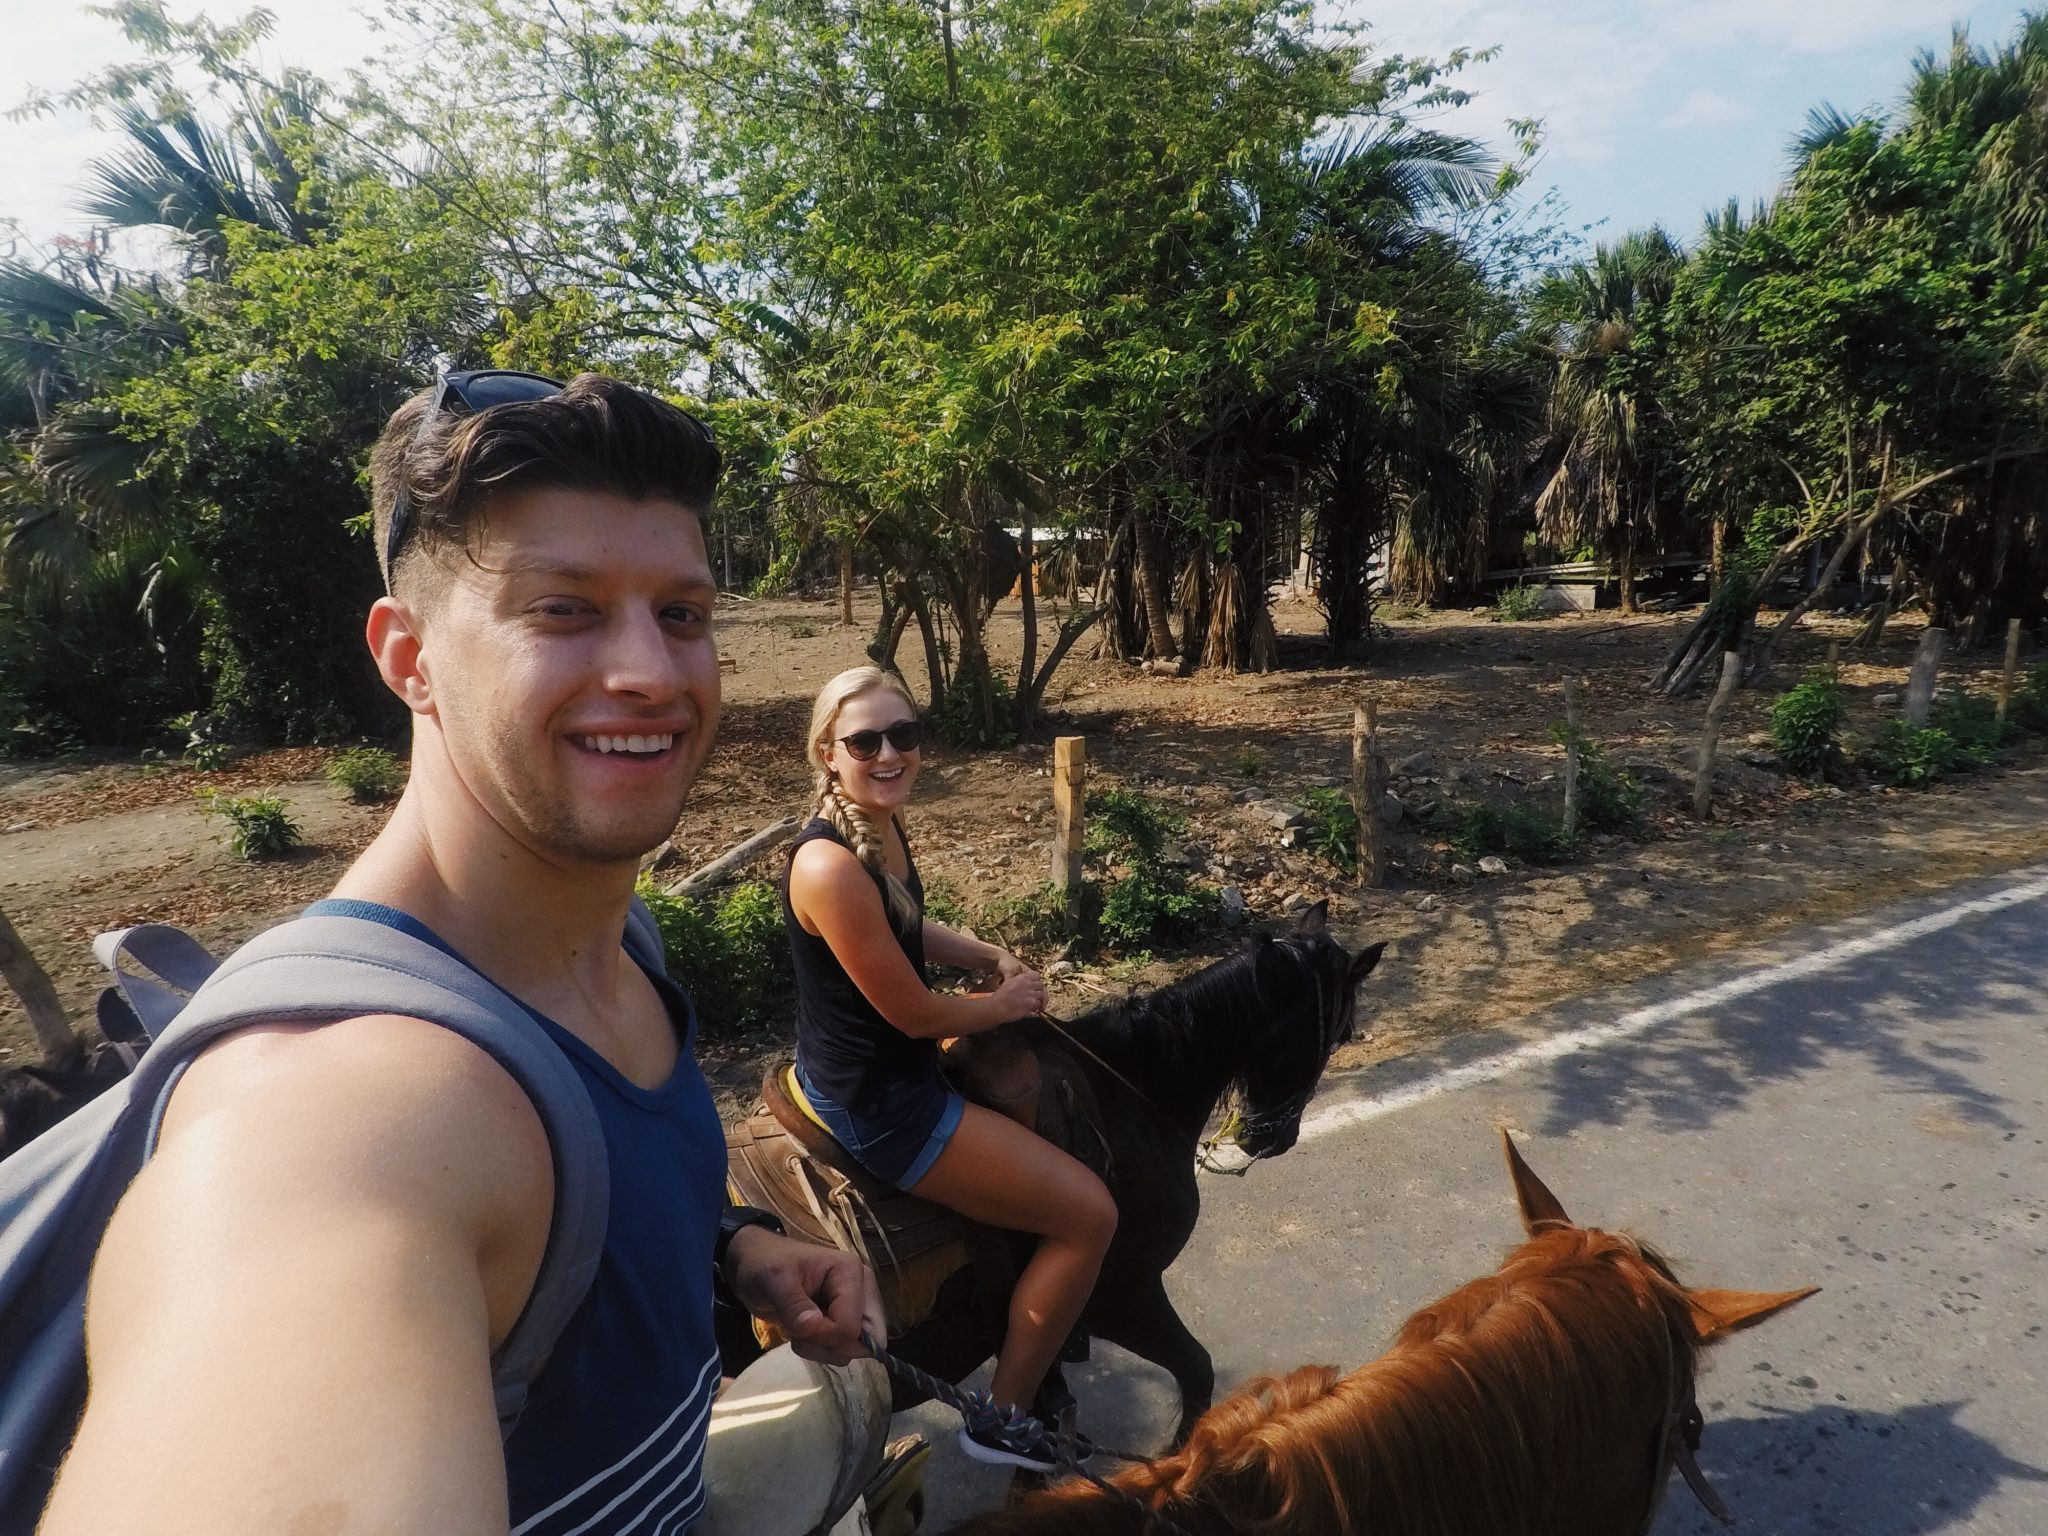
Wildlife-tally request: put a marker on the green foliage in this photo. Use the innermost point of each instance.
(730, 953)
(366, 774)
(1127, 823)
(1514, 828)
(1248, 764)
(1156, 904)
(1332, 829)
(1972, 723)
(1518, 605)
(1909, 756)
(258, 826)
(942, 904)
(802, 629)
(1806, 721)
(2029, 709)
(1610, 798)
(976, 712)
(1037, 918)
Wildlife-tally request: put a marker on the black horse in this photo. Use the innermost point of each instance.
(1264, 1021)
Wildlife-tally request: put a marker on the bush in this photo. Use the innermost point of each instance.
(1517, 829)
(802, 629)
(1972, 722)
(1037, 918)
(1610, 798)
(1248, 764)
(366, 774)
(259, 827)
(942, 904)
(1124, 823)
(1908, 756)
(1155, 904)
(1332, 829)
(1805, 722)
(1519, 604)
(730, 953)
(2030, 701)
(205, 749)
(959, 720)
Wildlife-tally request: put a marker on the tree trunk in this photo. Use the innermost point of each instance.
(31, 983)
(846, 582)
(1027, 585)
(1159, 643)
(934, 663)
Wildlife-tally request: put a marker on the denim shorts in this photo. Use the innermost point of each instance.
(900, 1134)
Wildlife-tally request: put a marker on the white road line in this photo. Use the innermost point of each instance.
(1347, 1113)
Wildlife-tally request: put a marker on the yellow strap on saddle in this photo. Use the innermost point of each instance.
(796, 1097)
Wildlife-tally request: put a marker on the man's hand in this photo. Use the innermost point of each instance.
(820, 1298)
(1008, 965)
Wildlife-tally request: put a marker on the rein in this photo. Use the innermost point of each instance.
(1138, 1093)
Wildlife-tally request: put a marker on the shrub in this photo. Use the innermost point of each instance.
(366, 774)
(1125, 823)
(942, 904)
(1156, 904)
(259, 827)
(1332, 829)
(1610, 798)
(204, 747)
(1805, 722)
(730, 952)
(1908, 756)
(1519, 604)
(1518, 829)
(1972, 721)
(959, 720)
(1248, 764)
(802, 629)
(2030, 701)
(1037, 918)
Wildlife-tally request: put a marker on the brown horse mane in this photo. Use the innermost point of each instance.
(1515, 1404)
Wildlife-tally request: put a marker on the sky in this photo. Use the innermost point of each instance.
(1655, 110)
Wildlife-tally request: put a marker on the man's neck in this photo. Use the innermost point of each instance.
(548, 931)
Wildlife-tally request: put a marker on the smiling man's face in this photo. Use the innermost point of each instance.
(573, 670)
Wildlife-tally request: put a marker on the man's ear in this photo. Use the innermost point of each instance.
(397, 644)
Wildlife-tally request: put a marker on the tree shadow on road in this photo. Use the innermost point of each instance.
(1835, 1468)
(1906, 1012)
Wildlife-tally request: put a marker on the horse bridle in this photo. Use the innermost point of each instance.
(1677, 1442)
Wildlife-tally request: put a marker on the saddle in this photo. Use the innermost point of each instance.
(782, 1159)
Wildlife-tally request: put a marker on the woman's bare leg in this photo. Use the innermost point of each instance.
(996, 1172)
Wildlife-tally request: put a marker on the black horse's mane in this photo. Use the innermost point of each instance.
(1165, 1019)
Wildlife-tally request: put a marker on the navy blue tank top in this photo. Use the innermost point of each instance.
(613, 1434)
(849, 1052)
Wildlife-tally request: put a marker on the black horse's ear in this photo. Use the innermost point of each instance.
(1317, 918)
(1363, 962)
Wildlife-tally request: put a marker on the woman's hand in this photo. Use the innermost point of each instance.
(1020, 994)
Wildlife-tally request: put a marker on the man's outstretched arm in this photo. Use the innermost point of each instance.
(291, 1318)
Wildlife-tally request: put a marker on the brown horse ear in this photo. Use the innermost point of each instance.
(1363, 962)
(1317, 918)
(1538, 1205)
(1717, 1312)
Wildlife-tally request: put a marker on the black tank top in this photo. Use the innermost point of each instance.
(848, 1050)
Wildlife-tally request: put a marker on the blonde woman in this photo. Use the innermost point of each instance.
(869, 1026)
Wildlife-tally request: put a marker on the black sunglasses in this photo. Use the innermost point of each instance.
(463, 394)
(904, 736)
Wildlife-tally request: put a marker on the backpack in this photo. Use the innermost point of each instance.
(58, 1192)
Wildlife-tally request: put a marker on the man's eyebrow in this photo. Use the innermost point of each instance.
(534, 566)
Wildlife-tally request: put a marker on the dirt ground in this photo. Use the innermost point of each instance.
(86, 846)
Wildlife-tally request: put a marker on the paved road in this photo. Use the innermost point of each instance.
(1869, 1119)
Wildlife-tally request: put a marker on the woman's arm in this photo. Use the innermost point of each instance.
(835, 897)
(949, 946)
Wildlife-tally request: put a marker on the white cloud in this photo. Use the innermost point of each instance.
(1703, 109)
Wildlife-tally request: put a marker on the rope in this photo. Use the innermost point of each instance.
(983, 1415)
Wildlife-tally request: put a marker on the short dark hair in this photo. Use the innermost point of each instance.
(598, 434)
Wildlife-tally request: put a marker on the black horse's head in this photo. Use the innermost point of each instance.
(1306, 987)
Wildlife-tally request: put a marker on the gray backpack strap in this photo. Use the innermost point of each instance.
(643, 937)
(156, 969)
(319, 970)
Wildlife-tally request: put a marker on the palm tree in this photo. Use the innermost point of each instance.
(1615, 486)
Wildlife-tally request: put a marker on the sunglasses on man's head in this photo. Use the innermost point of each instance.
(904, 736)
(464, 394)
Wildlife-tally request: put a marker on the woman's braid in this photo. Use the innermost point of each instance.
(865, 839)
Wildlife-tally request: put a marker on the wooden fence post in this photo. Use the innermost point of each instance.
(1069, 818)
(1710, 734)
(1368, 787)
(1926, 672)
(2012, 667)
(31, 983)
(1571, 759)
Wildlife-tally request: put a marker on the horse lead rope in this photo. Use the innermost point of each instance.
(982, 1414)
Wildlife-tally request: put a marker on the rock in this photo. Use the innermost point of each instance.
(1391, 809)
(1887, 700)
(1424, 809)
(1175, 855)
(1427, 904)
(21, 826)
(1295, 902)
(1761, 740)
(1290, 836)
(1649, 772)
(1194, 854)
(1231, 903)
(1280, 814)
(1461, 773)
(1060, 968)
(1462, 873)
(1251, 794)
(1416, 764)
(1760, 759)
(1493, 864)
